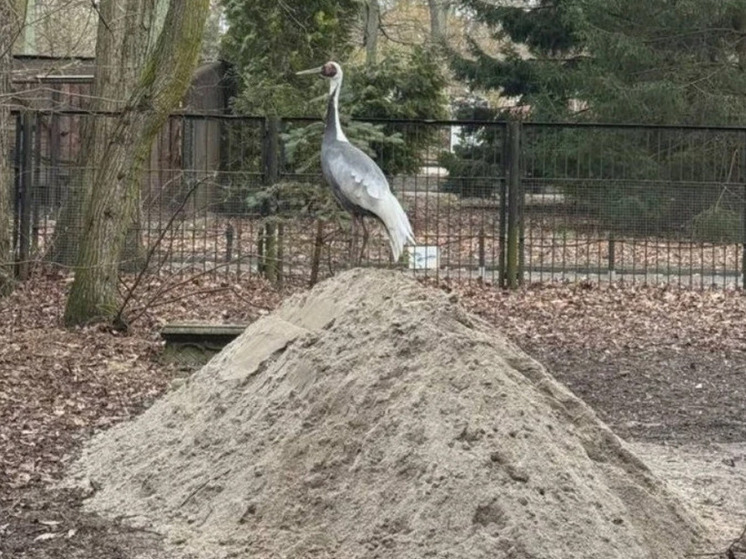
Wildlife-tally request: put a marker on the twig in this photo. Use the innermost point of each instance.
(138, 311)
(739, 539)
(729, 552)
(180, 297)
(151, 251)
(247, 301)
(383, 31)
(122, 517)
(201, 486)
(94, 5)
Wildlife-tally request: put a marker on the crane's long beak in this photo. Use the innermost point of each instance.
(311, 71)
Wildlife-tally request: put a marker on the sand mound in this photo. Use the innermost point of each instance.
(373, 418)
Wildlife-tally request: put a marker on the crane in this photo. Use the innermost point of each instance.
(357, 182)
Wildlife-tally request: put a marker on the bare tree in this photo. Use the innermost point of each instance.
(372, 16)
(438, 20)
(409, 23)
(12, 15)
(60, 28)
(25, 40)
(123, 150)
(126, 30)
(213, 32)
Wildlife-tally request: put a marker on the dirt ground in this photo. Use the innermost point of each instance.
(665, 368)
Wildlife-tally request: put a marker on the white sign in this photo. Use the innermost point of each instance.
(423, 257)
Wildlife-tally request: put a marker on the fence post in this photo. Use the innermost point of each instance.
(743, 240)
(271, 267)
(501, 273)
(521, 206)
(24, 126)
(514, 206)
(743, 212)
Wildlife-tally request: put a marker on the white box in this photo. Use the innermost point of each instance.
(422, 257)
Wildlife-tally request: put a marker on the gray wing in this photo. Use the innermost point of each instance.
(356, 174)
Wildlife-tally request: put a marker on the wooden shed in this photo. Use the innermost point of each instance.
(51, 82)
(60, 89)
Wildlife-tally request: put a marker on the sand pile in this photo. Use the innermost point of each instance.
(374, 418)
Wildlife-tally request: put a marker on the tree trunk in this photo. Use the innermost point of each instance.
(162, 83)
(12, 15)
(26, 43)
(6, 170)
(438, 21)
(125, 31)
(372, 20)
(738, 23)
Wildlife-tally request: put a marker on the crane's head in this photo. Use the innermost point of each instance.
(331, 71)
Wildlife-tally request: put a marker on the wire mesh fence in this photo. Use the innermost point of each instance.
(645, 204)
(487, 200)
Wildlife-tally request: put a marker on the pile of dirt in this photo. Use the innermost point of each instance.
(371, 417)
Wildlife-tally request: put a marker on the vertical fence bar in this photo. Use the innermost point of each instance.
(36, 181)
(23, 208)
(520, 212)
(514, 182)
(17, 166)
(55, 155)
(271, 172)
(502, 240)
(742, 178)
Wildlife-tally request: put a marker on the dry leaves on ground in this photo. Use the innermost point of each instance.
(657, 363)
(57, 385)
(664, 363)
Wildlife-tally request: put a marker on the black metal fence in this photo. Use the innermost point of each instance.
(502, 202)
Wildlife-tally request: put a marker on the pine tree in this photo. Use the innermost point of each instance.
(632, 61)
(268, 41)
(540, 50)
(650, 61)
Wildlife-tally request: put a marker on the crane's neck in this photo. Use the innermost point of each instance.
(333, 129)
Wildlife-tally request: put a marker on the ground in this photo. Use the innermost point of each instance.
(664, 367)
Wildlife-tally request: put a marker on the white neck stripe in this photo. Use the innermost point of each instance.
(334, 91)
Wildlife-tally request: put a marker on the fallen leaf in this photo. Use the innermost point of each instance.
(46, 536)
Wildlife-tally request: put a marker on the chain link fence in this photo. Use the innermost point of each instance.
(504, 203)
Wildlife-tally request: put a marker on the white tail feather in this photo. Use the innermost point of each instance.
(397, 225)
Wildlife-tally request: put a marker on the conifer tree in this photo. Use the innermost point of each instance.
(631, 61)
(650, 61)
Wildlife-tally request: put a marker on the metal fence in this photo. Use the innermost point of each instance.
(501, 202)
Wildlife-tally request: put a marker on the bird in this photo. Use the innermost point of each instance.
(358, 184)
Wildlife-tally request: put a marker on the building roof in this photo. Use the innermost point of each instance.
(54, 82)
(39, 68)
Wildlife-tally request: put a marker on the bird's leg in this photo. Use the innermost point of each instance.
(365, 239)
(353, 238)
